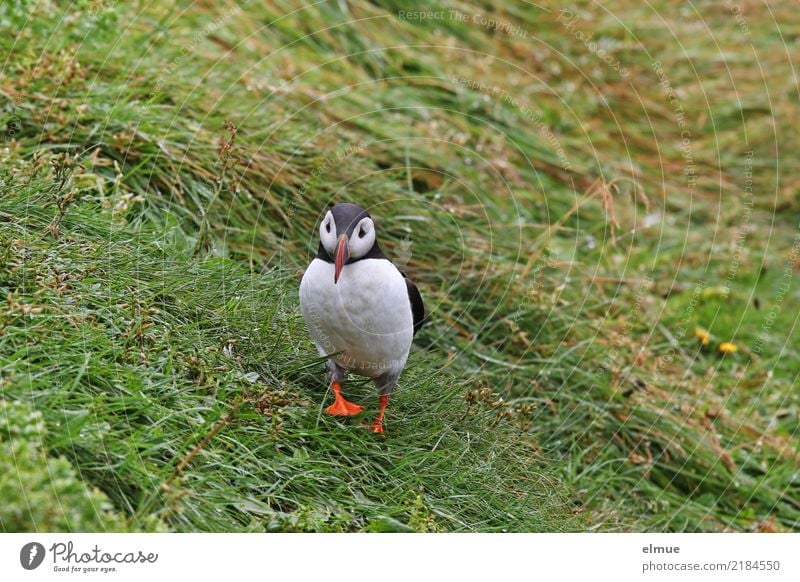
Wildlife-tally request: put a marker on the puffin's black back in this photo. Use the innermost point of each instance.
(417, 307)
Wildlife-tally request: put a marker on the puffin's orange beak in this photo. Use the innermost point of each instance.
(342, 254)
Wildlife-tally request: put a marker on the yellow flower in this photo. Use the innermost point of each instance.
(702, 335)
(727, 347)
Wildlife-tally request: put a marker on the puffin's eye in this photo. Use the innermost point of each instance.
(361, 232)
(327, 227)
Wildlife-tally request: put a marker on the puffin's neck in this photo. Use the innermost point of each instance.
(374, 253)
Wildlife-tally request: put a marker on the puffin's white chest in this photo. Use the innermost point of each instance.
(366, 315)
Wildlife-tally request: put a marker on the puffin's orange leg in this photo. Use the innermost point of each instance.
(377, 424)
(340, 406)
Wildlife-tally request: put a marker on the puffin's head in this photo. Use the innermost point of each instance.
(347, 233)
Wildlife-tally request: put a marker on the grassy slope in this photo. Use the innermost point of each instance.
(137, 353)
(534, 273)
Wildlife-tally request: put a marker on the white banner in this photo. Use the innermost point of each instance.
(379, 557)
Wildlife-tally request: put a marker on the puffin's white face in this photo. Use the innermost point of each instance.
(345, 241)
(363, 238)
(359, 244)
(327, 233)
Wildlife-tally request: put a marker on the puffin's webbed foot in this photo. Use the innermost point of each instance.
(340, 406)
(377, 425)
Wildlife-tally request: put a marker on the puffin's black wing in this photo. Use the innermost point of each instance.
(417, 308)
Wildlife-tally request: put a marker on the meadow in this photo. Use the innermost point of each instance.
(599, 205)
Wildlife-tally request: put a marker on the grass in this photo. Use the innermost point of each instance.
(184, 388)
(165, 166)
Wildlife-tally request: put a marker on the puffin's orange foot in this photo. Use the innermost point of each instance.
(375, 426)
(342, 407)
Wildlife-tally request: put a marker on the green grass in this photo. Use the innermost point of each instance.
(45, 494)
(137, 353)
(151, 261)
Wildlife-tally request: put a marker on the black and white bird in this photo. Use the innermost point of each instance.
(361, 311)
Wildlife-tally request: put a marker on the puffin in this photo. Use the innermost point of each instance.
(362, 313)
